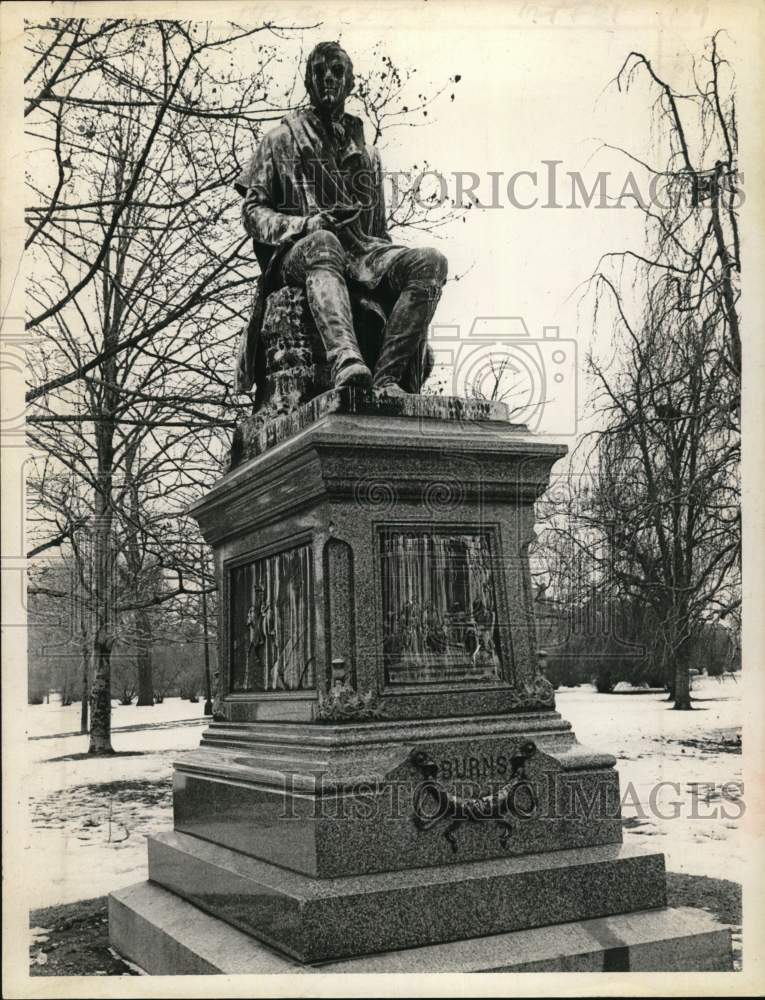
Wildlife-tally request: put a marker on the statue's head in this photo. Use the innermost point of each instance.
(328, 76)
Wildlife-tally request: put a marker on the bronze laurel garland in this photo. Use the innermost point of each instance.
(497, 806)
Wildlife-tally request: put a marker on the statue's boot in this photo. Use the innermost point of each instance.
(330, 306)
(418, 275)
(353, 373)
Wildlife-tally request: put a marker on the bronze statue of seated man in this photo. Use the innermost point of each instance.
(315, 208)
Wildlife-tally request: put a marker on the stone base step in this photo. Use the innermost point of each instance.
(314, 920)
(165, 935)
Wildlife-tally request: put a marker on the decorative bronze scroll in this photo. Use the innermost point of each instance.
(497, 806)
(344, 704)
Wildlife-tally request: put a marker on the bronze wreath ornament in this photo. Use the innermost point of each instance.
(433, 802)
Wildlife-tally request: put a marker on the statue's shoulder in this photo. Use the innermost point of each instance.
(282, 133)
(277, 144)
(299, 117)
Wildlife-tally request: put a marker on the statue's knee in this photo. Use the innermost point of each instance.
(438, 264)
(323, 241)
(431, 265)
(323, 249)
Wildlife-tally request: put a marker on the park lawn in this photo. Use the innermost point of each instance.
(89, 816)
(680, 773)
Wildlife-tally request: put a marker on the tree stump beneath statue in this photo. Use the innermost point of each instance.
(295, 357)
(297, 369)
(296, 366)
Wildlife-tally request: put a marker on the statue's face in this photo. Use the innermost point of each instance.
(329, 77)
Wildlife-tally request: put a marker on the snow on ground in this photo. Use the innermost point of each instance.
(90, 816)
(692, 817)
(44, 721)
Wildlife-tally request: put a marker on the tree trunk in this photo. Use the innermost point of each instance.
(102, 587)
(102, 595)
(145, 678)
(682, 689)
(144, 660)
(85, 686)
(728, 265)
(101, 701)
(101, 694)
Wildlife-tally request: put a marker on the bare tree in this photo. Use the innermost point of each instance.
(664, 458)
(138, 271)
(143, 277)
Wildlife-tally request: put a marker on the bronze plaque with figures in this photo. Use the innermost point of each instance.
(272, 623)
(439, 607)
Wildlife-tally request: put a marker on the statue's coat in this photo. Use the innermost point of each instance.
(297, 170)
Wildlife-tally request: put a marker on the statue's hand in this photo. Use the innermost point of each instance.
(333, 220)
(347, 216)
(322, 220)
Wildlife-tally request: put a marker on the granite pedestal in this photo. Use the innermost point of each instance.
(386, 769)
(166, 935)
